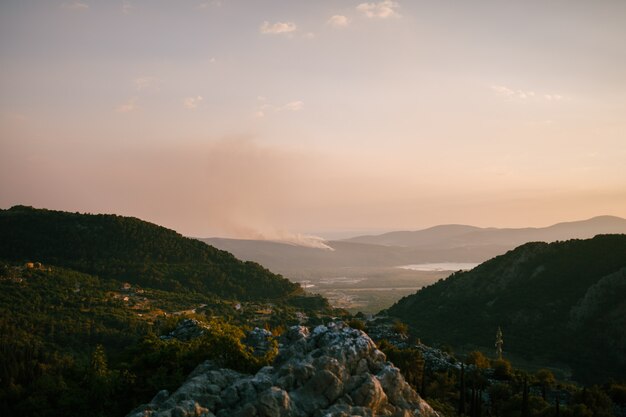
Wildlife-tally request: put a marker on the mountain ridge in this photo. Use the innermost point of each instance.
(597, 225)
(551, 299)
(442, 243)
(130, 249)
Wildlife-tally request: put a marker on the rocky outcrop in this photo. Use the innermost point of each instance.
(260, 340)
(436, 360)
(332, 370)
(186, 329)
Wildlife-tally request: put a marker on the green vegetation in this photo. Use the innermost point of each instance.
(409, 360)
(70, 345)
(482, 387)
(128, 249)
(560, 302)
(80, 333)
(84, 298)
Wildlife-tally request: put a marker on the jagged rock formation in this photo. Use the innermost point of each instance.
(186, 329)
(332, 370)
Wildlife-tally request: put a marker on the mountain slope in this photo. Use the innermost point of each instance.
(77, 340)
(129, 249)
(562, 301)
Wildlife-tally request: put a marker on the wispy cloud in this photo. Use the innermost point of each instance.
(129, 106)
(147, 83)
(192, 103)
(293, 105)
(550, 97)
(338, 21)
(508, 92)
(505, 91)
(382, 10)
(277, 28)
(265, 107)
(75, 5)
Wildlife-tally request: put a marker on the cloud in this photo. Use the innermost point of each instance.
(551, 97)
(192, 103)
(265, 106)
(293, 105)
(147, 83)
(129, 106)
(338, 21)
(382, 10)
(507, 92)
(277, 28)
(75, 5)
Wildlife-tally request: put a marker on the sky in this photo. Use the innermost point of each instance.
(280, 119)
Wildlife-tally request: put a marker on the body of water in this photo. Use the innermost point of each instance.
(442, 266)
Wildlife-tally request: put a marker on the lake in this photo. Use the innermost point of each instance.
(442, 266)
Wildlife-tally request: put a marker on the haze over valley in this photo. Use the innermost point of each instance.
(369, 273)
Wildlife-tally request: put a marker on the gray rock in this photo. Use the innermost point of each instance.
(331, 370)
(186, 329)
(260, 340)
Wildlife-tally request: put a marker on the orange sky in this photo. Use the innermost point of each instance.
(247, 119)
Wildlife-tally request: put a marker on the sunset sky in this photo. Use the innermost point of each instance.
(272, 118)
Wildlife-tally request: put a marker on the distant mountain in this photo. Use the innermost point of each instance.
(445, 243)
(129, 249)
(285, 257)
(560, 301)
(427, 237)
(450, 236)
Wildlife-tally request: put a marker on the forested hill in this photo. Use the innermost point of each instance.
(562, 301)
(133, 250)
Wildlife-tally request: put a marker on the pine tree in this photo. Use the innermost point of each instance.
(499, 343)
(462, 394)
(525, 408)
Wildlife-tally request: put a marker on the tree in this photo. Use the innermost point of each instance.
(462, 394)
(499, 343)
(595, 402)
(98, 367)
(400, 328)
(99, 380)
(357, 324)
(546, 380)
(409, 361)
(525, 406)
(502, 369)
(477, 359)
(499, 394)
